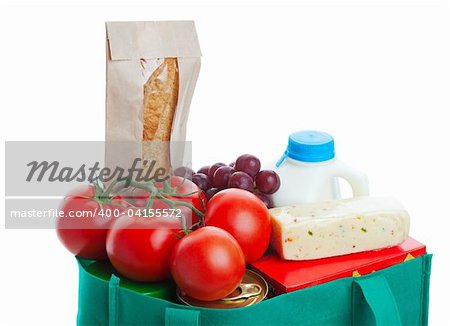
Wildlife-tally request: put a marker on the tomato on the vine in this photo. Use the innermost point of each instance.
(185, 190)
(85, 222)
(179, 190)
(208, 264)
(245, 217)
(140, 247)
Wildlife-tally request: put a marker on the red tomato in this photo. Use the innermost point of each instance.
(182, 190)
(83, 230)
(245, 217)
(138, 197)
(208, 264)
(120, 202)
(140, 247)
(187, 191)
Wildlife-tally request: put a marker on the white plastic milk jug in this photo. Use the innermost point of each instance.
(309, 171)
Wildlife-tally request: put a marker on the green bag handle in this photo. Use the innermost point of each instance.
(173, 316)
(182, 317)
(373, 302)
(113, 289)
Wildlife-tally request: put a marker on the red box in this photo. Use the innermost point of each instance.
(287, 276)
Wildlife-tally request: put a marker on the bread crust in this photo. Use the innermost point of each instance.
(160, 101)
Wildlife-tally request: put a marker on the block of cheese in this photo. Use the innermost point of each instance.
(338, 227)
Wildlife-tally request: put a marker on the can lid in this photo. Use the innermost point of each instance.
(309, 146)
(252, 290)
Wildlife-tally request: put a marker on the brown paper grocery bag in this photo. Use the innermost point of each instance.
(151, 72)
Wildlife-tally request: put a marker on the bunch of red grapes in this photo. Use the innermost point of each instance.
(245, 174)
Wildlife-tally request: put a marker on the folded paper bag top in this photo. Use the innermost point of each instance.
(152, 69)
(152, 40)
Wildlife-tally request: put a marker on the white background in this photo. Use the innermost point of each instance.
(376, 75)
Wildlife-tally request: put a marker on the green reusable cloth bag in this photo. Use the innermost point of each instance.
(397, 295)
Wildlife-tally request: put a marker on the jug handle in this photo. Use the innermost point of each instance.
(357, 179)
(281, 159)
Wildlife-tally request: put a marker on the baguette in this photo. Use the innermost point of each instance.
(160, 103)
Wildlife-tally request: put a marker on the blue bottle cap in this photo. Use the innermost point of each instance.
(309, 146)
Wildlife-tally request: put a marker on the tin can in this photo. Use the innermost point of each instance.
(252, 290)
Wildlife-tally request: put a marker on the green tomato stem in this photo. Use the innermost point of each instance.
(156, 193)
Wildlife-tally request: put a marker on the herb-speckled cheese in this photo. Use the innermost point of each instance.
(338, 227)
